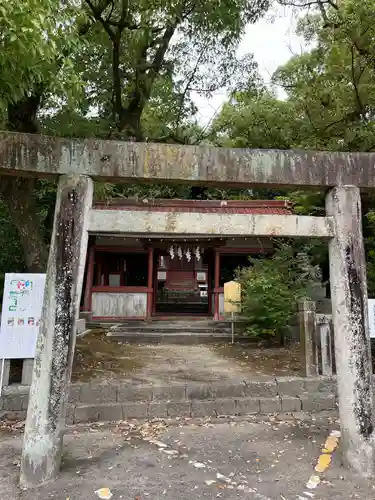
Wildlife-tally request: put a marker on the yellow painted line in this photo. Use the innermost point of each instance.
(325, 459)
(330, 445)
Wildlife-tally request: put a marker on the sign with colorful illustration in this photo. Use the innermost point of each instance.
(371, 317)
(20, 316)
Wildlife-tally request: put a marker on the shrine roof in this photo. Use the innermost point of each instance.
(276, 207)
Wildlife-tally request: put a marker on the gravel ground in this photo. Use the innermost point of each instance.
(248, 459)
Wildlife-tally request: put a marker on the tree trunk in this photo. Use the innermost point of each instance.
(129, 125)
(18, 193)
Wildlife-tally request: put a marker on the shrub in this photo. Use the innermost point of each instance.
(271, 289)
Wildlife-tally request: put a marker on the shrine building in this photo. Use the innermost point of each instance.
(151, 259)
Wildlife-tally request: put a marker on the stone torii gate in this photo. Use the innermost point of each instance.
(77, 162)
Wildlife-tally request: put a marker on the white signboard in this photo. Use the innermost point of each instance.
(371, 316)
(20, 316)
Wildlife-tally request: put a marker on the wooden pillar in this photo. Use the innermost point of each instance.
(150, 293)
(42, 446)
(216, 284)
(309, 362)
(99, 269)
(351, 329)
(89, 278)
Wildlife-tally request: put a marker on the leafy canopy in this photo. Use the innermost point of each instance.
(38, 37)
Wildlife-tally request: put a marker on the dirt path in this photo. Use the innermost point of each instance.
(98, 356)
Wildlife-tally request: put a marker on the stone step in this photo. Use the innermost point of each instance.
(143, 410)
(185, 338)
(93, 402)
(173, 324)
(108, 412)
(171, 329)
(175, 331)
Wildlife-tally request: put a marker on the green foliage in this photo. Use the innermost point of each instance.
(38, 38)
(369, 230)
(141, 62)
(271, 289)
(11, 257)
(256, 118)
(329, 105)
(333, 84)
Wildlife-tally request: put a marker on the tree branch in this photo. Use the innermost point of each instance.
(117, 101)
(160, 53)
(187, 87)
(310, 118)
(361, 107)
(309, 3)
(98, 16)
(320, 4)
(348, 118)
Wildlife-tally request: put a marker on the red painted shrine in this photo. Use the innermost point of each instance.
(140, 276)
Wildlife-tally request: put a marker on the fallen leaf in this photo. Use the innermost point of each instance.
(199, 465)
(313, 482)
(104, 494)
(169, 452)
(223, 478)
(336, 434)
(158, 443)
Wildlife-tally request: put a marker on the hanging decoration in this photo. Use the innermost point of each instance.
(181, 252)
(197, 254)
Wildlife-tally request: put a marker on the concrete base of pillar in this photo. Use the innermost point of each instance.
(27, 371)
(86, 315)
(80, 326)
(6, 372)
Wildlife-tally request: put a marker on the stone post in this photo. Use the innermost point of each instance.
(45, 420)
(309, 362)
(324, 326)
(27, 371)
(6, 372)
(351, 329)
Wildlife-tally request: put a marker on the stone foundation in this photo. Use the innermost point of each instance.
(93, 402)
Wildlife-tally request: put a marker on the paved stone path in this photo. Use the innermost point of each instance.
(198, 363)
(251, 459)
(101, 357)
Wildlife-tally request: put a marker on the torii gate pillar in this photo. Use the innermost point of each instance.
(351, 329)
(45, 420)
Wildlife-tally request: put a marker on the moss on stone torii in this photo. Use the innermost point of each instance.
(46, 156)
